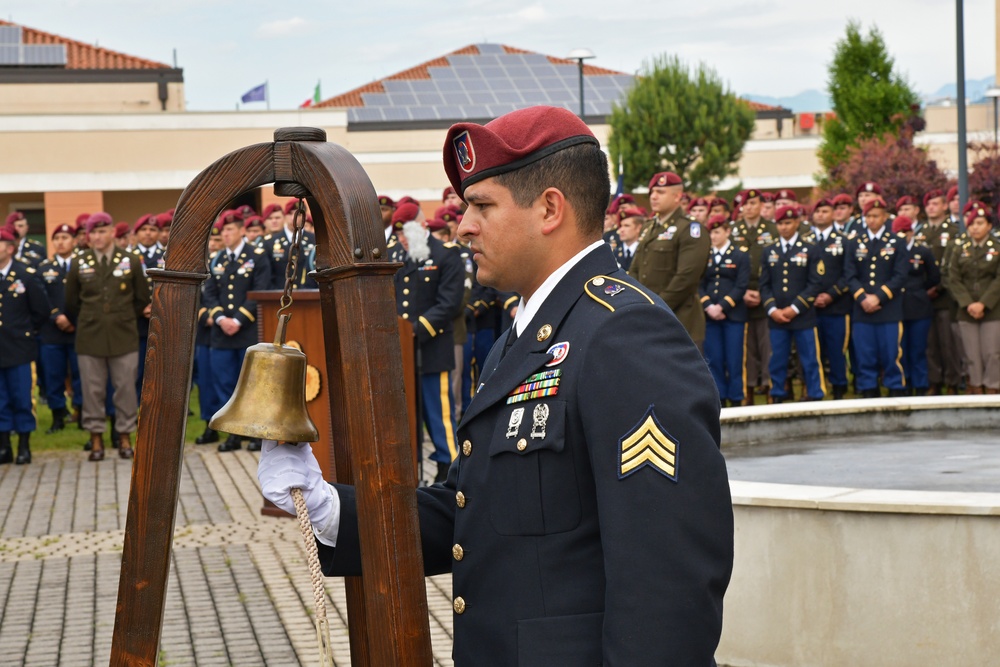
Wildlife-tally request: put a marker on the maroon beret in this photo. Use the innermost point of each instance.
(664, 179)
(230, 217)
(973, 203)
(719, 201)
(407, 199)
(164, 220)
(436, 224)
(717, 220)
(290, 206)
(786, 213)
(933, 194)
(906, 200)
(447, 191)
(64, 228)
(82, 219)
(785, 194)
(405, 213)
(738, 199)
(271, 208)
(7, 234)
(952, 192)
(217, 227)
(631, 212)
(148, 219)
(878, 202)
(821, 203)
(868, 186)
(475, 152)
(978, 212)
(447, 214)
(101, 219)
(618, 202)
(901, 223)
(383, 200)
(767, 197)
(253, 221)
(14, 217)
(121, 230)
(842, 200)
(750, 194)
(697, 201)
(246, 211)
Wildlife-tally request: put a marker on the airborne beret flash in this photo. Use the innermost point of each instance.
(618, 202)
(786, 213)
(717, 220)
(719, 201)
(665, 179)
(979, 212)
(148, 219)
(869, 186)
(878, 202)
(821, 203)
(697, 201)
(404, 213)
(101, 219)
(384, 200)
(973, 203)
(902, 223)
(253, 221)
(785, 194)
(767, 197)
(217, 227)
(747, 195)
(474, 152)
(447, 214)
(64, 229)
(631, 212)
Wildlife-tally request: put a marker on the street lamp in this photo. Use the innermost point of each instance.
(579, 55)
(994, 92)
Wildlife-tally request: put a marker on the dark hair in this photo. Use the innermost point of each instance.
(580, 172)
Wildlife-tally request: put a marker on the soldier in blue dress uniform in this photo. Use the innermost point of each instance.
(24, 308)
(29, 252)
(146, 233)
(876, 272)
(632, 219)
(238, 268)
(922, 277)
(573, 442)
(722, 288)
(278, 246)
(790, 278)
(833, 303)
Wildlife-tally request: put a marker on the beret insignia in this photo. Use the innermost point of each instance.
(465, 152)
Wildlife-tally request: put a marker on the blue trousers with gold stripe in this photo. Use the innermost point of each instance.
(725, 352)
(16, 413)
(833, 345)
(914, 344)
(477, 347)
(439, 414)
(807, 345)
(878, 349)
(225, 371)
(58, 361)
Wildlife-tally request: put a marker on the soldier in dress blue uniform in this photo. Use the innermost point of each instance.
(588, 519)
(28, 251)
(867, 192)
(876, 272)
(58, 349)
(791, 276)
(278, 246)
(632, 220)
(843, 211)
(23, 310)
(208, 402)
(833, 303)
(429, 291)
(238, 268)
(146, 233)
(722, 288)
(253, 230)
(922, 277)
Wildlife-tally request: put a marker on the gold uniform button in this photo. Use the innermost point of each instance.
(458, 552)
(406, 291)
(406, 316)
(522, 444)
(460, 499)
(406, 279)
(459, 605)
(467, 448)
(405, 304)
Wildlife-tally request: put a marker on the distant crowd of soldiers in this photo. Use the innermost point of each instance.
(901, 297)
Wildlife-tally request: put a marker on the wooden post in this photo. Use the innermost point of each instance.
(387, 607)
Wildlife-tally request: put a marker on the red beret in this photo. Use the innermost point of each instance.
(952, 192)
(14, 217)
(82, 219)
(436, 224)
(717, 220)
(82, 227)
(767, 197)
(786, 213)
(868, 186)
(447, 214)
(973, 203)
(842, 200)
(383, 200)
(750, 194)
(697, 201)
(978, 212)
(229, 217)
(246, 211)
(121, 230)
(631, 212)
(163, 220)
(64, 228)
(290, 206)
(878, 202)
(618, 202)
(785, 194)
(272, 208)
(148, 219)
(217, 227)
(447, 191)
(475, 152)
(719, 201)
(933, 194)
(738, 199)
(407, 199)
(253, 221)
(821, 203)
(906, 200)
(404, 213)
(664, 179)
(901, 223)
(101, 219)
(7, 234)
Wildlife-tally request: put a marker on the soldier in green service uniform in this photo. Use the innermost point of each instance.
(751, 235)
(672, 254)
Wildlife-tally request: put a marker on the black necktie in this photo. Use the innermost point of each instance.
(628, 253)
(104, 261)
(511, 337)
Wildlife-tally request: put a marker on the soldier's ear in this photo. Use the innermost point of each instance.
(552, 207)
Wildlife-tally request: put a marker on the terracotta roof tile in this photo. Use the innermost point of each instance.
(87, 56)
(758, 106)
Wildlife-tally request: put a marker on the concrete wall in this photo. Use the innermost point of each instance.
(48, 98)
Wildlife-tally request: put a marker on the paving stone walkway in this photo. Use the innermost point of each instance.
(239, 591)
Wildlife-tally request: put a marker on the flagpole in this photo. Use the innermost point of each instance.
(267, 94)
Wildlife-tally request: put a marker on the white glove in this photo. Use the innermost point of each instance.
(286, 467)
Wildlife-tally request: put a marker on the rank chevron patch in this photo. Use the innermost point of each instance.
(648, 444)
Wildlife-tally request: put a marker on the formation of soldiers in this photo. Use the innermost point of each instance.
(902, 298)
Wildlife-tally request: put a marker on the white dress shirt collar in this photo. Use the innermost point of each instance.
(527, 309)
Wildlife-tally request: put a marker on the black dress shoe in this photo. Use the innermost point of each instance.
(58, 420)
(6, 455)
(231, 444)
(209, 436)
(253, 445)
(87, 446)
(23, 448)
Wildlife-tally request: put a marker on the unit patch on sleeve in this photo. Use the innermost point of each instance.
(648, 444)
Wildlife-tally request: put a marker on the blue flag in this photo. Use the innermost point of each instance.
(258, 94)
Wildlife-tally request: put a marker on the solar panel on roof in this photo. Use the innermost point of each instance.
(526, 84)
(401, 99)
(515, 71)
(374, 99)
(508, 96)
(396, 86)
(438, 73)
(449, 86)
(396, 113)
(476, 85)
(492, 71)
(10, 54)
(44, 54)
(10, 34)
(423, 113)
(429, 99)
(423, 86)
(456, 98)
(462, 61)
(535, 97)
(364, 115)
(490, 48)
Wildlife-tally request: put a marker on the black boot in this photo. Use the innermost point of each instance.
(871, 393)
(6, 456)
(209, 436)
(442, 473)
(839, 391)
(232, 443)
(897, 393)
(254, 445)
(23, 448)
(58, 420)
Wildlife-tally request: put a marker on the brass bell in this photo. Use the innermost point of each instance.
(269, 401)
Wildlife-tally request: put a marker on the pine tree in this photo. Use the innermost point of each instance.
(677, 120)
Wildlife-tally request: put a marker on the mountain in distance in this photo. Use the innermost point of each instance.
(975, 90)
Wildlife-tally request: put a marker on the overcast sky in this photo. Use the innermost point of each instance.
(765, 47)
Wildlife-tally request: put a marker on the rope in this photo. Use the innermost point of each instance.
(316, 574)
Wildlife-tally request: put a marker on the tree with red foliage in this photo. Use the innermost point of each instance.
(984, 181)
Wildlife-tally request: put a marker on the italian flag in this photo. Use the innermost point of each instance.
(315, 99)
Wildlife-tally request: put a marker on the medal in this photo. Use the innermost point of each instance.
(515, 422)
(539, 417)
